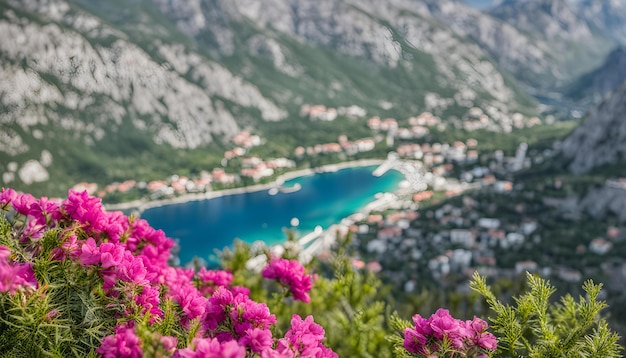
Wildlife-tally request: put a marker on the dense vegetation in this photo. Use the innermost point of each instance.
(78, 281)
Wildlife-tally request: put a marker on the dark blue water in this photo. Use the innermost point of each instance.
(325, 199)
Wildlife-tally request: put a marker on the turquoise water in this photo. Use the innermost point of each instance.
(324, 199)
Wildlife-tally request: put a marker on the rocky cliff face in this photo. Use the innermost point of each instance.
(168, 75)
(181, 74)
(601, 139)
(525, 58)
(570, 44)
(71, 62)
(390, 35)
(551, 19)
(599, 83)
(606, 15)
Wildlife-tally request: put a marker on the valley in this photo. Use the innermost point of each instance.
(515, 108)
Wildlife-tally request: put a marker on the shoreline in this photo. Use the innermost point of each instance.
(145, 204)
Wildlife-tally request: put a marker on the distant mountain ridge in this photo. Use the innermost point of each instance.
(551, 19)
(595, 86)
(572, 46)
(169, 80)
(607, 15)
(601, 139)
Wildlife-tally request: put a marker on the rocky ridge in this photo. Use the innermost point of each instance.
(127, 81)
(599, 83)
(601, 139)
(170, 75)
(606, 15)
(385, 34)
(570, 44)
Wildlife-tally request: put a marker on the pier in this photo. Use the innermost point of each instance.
(413, 171)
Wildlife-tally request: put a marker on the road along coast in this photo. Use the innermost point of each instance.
(141, 205)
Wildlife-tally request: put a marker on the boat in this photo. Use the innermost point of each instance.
(281, 189)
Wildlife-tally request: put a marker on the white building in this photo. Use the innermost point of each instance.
(488, 223)
(462, 237)
(600, 246)
(514, 239)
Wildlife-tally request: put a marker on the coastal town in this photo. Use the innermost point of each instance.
(239, 169)
(459, 209)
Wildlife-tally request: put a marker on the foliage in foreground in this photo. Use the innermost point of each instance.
(78, 281)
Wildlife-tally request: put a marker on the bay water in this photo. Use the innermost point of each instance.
(324, 199)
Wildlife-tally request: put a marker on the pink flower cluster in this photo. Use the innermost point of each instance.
(291, 274)
(124, 343)
(15, 276)
(131, 260)
(211, 347)
(304, 338)
(469, 338)
(209, 280)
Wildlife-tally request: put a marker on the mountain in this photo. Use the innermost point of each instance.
(84, 95)
(594, 86)
(601, 139)
(550, 19)
(171, 81)
(88, 88)
(607, 15)
(399, 40)
(572, 46)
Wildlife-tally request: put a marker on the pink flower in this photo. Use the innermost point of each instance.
(85, 209)
(142, 233)
(169, 343)
(444, 325)
(124, 343)
(216, 278)
(257, 339)
(422, 325)
(487, 341)
(240, 290)
(305, 336)
(24, 275)
(17, 276)
(52, 314)
(191, 302)
(217, 306)
(211, 348)
(22, 202)
(478, 335)
(90, 254)
(246, 314)
(149, 300)
(116, 225)
(111, 254)
(132, 269)
(415, 342)
(282, 350)
(210, 279)
(476, 325)
(256, 313)
(467, 337)
(7, 196)
(292, 274)
(33, 230)
(5, 252)
(109, 278)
